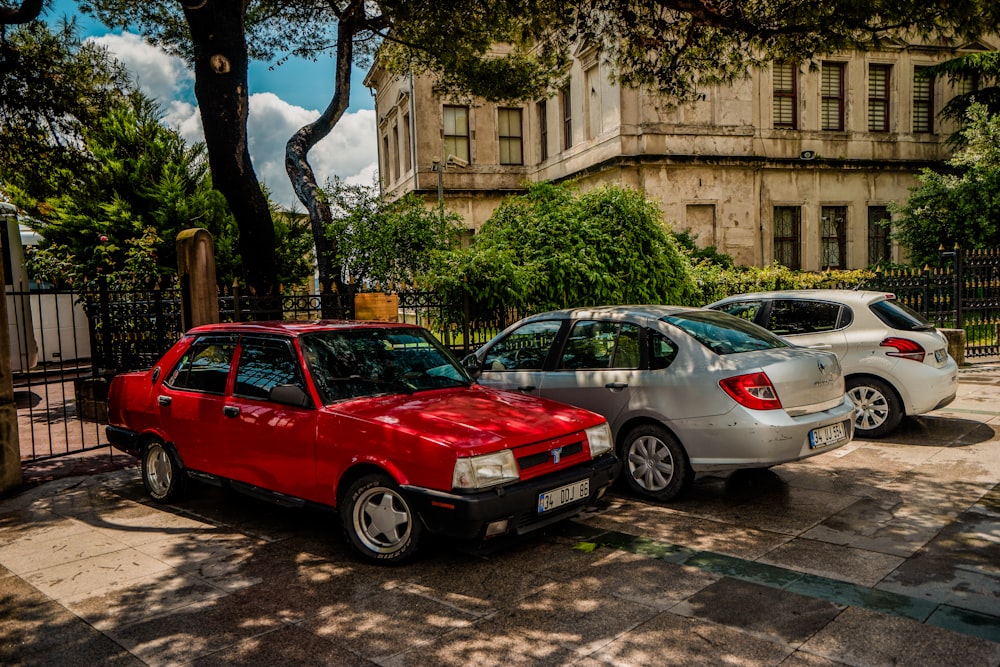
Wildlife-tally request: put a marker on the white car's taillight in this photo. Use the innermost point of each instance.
(753, 390)
(904, 348)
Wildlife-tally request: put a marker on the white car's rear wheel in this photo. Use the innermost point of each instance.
(877, 409)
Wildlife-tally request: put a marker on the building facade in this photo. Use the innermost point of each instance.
(796, 164)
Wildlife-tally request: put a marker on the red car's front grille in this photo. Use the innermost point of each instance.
(542, 458)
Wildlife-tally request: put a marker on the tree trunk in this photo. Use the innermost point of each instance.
(301, 174)
(27, 12)
(220, 64)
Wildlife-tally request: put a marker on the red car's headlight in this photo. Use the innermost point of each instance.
(599, 438)
(481, 472)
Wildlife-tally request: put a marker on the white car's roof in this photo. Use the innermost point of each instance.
(840, 295)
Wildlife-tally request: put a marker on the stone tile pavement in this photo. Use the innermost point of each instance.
(879, 553)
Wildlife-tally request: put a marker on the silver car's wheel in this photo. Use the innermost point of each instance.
(656, 464)
(877, 410)
(378, 520)
(161, 475)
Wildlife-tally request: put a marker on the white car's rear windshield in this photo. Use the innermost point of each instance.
(724, 334)
(898, 316)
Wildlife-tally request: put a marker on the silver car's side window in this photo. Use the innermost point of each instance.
(593, 345)
(662, 351)
(525, 348)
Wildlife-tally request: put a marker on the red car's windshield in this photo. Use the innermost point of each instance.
(376, 361)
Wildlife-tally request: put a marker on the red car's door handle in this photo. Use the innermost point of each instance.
(616, 385)
(163, 400)
(231, 411)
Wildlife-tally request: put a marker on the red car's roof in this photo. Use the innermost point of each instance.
(294, 327)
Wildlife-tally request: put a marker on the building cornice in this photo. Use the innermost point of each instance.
(750, 161)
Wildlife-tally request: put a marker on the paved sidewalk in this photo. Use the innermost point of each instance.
(880, 553)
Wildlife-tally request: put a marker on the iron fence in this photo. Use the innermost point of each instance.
(962, 292)
(58, 410)
(68, 345)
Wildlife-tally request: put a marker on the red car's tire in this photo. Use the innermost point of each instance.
(378, 520)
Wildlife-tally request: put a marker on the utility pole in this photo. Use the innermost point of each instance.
(439, 167)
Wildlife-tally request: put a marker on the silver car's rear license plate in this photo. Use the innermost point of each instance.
(827, 435)
(940, 355)
(564, 495)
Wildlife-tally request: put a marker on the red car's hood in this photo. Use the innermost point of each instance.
(475, 419)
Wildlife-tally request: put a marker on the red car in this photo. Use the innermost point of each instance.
(376, 420)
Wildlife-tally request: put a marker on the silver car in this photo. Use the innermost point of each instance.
(895, 362)
(686, 390)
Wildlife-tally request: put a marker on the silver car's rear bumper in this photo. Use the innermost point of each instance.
(746, 438)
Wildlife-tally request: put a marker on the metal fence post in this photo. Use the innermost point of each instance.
(158, 314)
(959, 285)
(185, 283)
(104, 344)
(466, 316)
(925, 291)
(237, 311)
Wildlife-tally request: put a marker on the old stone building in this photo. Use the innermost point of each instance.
(796, 164)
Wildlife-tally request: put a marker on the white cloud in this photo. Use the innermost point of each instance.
(350, 151)
(160, 76)
(184, 118)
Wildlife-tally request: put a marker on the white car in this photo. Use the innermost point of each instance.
(895, 362)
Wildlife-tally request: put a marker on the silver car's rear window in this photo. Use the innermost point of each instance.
(898, 316)
(724, 334)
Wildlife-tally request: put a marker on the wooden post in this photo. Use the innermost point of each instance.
(196, 270)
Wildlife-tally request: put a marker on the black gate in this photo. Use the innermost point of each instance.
(59, 408)
(962, 292)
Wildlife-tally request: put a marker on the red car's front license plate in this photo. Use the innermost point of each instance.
(564, 495)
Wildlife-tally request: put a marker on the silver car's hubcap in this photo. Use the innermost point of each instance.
(650, 463)
(871, 408)
(159, 472)
(381, 520)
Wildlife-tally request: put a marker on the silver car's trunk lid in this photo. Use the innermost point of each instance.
(806, 381)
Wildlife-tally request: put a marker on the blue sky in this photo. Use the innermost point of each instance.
(282, 99)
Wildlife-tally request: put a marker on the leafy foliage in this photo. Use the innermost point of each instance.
(717, 281)
(552, 248)
(675, 47)
(961, 205)
(294, 244)
(709, 254)
(52, 87)
(382, 241)
(145, 185)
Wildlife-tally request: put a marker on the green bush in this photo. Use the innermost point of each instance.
(717, 282)
(552, 248)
